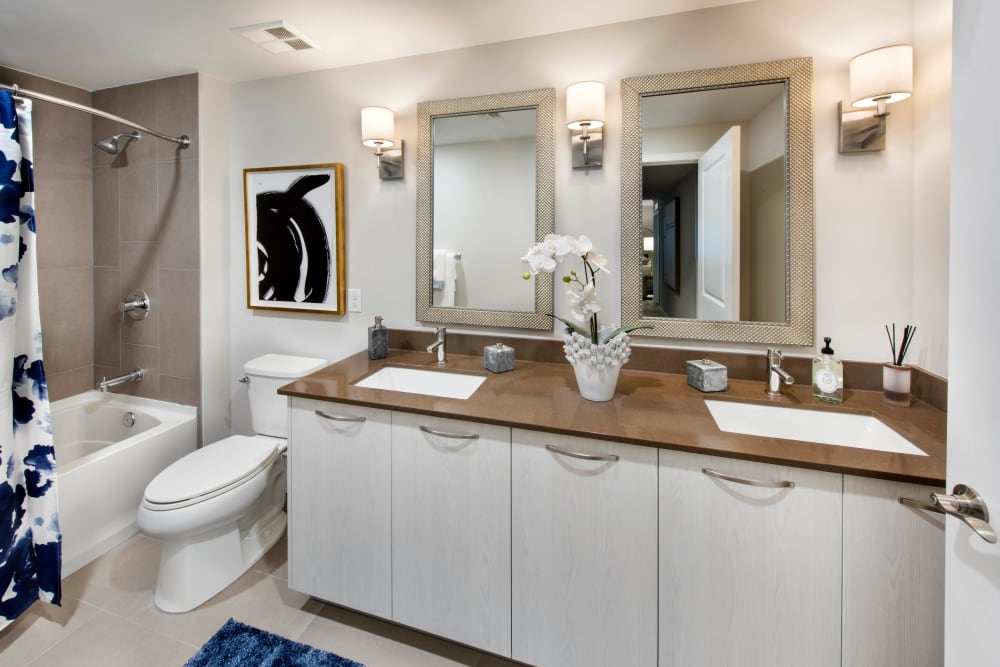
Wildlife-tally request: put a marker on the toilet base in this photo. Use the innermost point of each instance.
(194, 570)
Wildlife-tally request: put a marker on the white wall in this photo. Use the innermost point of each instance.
(217, 382)
(864, 205)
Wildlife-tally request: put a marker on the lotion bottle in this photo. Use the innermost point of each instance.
(828, 375)
(378, 340)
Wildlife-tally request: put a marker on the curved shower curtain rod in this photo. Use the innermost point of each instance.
(184, 140)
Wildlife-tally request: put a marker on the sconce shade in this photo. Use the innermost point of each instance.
(378, 127)
(883, 73)
(585, 105)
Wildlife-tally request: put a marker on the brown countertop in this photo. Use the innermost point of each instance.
(649, 408)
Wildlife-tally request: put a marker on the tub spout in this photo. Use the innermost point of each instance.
(134, 376)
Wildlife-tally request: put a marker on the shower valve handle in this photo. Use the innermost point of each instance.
(136, 305)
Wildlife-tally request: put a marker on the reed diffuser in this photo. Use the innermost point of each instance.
(896, 375)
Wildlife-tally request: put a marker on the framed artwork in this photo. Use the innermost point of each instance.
(295, 238)
(669, 243)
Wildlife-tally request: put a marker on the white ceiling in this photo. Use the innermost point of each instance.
(95, 44)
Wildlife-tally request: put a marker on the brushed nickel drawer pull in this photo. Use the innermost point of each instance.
(581, 455)
(446, 434)
(919, 505)
(749, 482)
(338, 418)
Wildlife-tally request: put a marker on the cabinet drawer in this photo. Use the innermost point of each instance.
(451, 529)
(749, 575)
(584, 551)
(339, 504)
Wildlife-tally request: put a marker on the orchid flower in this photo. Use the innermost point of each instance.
(543, 257)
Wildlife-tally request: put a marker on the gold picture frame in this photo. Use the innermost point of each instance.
(294, 231)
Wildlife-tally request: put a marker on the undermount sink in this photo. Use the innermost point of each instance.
(817, 426)
(420, 381)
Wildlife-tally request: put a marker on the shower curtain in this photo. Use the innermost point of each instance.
(30, 546)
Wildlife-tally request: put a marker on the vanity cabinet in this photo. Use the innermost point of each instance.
(339, 505)
(451, 529)
(584, 551)
(558, 550)
(749, 575)
(893, 575)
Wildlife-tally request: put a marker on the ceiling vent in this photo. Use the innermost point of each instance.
(275, 36)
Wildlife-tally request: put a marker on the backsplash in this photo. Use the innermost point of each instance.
(858, 375)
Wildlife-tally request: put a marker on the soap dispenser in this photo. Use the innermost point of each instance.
(378, 340)
(828, 375)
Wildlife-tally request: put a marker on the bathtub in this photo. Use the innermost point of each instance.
(108, 448)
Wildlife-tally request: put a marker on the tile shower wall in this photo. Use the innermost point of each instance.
(145, 236)
(65, 233)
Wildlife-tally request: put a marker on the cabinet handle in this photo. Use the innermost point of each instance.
(446, 434)
(581, 455)
(919, 505)
(749, 482)
(338, 418)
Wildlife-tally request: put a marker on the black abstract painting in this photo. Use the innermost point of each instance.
(294, 238)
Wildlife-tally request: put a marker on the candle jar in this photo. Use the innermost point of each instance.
(896, 385)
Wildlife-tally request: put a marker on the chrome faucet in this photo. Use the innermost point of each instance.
(776, 374)
(438, 345)
(105, 384)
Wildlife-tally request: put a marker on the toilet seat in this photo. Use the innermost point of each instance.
(211, 471)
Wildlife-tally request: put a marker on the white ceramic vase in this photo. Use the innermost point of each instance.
(597, 366)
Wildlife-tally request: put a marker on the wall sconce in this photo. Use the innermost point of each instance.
(585, 118)
(378, 126)
(878, 78)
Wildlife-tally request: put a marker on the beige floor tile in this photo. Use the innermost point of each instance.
(108, 640)
(40, 628)
(121, 581)
(275, 561)
(255, 598)
(379, 644)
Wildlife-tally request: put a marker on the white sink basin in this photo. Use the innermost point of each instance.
(419, 381)
(818, 426)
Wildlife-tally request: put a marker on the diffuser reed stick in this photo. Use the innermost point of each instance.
(899, 354)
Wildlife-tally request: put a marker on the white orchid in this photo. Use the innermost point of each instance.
(539, 258)
(583, 303)
(582, 293)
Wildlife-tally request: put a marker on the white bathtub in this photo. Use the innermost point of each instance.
(104, 465)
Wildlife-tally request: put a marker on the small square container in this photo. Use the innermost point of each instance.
(707, 375)
(498, 358)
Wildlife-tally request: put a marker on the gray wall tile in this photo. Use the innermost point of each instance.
(177, 114)
(63, 205)
(177, 214)
(66, 299)
(179, 339)
(107, 237)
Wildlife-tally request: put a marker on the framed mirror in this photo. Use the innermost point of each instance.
(485, 192)
(717, 203)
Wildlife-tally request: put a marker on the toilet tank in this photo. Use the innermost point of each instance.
(267, 374)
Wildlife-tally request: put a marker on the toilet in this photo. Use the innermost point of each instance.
(220, 508)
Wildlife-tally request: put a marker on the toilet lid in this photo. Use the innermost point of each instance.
(220, 465)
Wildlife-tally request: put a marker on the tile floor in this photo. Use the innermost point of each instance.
(108, 620)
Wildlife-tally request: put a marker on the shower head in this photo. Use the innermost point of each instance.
(114, 145)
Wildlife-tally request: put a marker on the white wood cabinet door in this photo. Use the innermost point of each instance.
(893, 575)
(339, 503)
(451, 529)
(584, 552)
(748, 575)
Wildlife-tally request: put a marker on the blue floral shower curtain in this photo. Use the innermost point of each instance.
(30, 547)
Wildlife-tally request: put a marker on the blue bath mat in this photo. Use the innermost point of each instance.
(237, 644)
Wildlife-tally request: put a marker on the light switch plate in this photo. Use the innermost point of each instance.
(354, 301)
